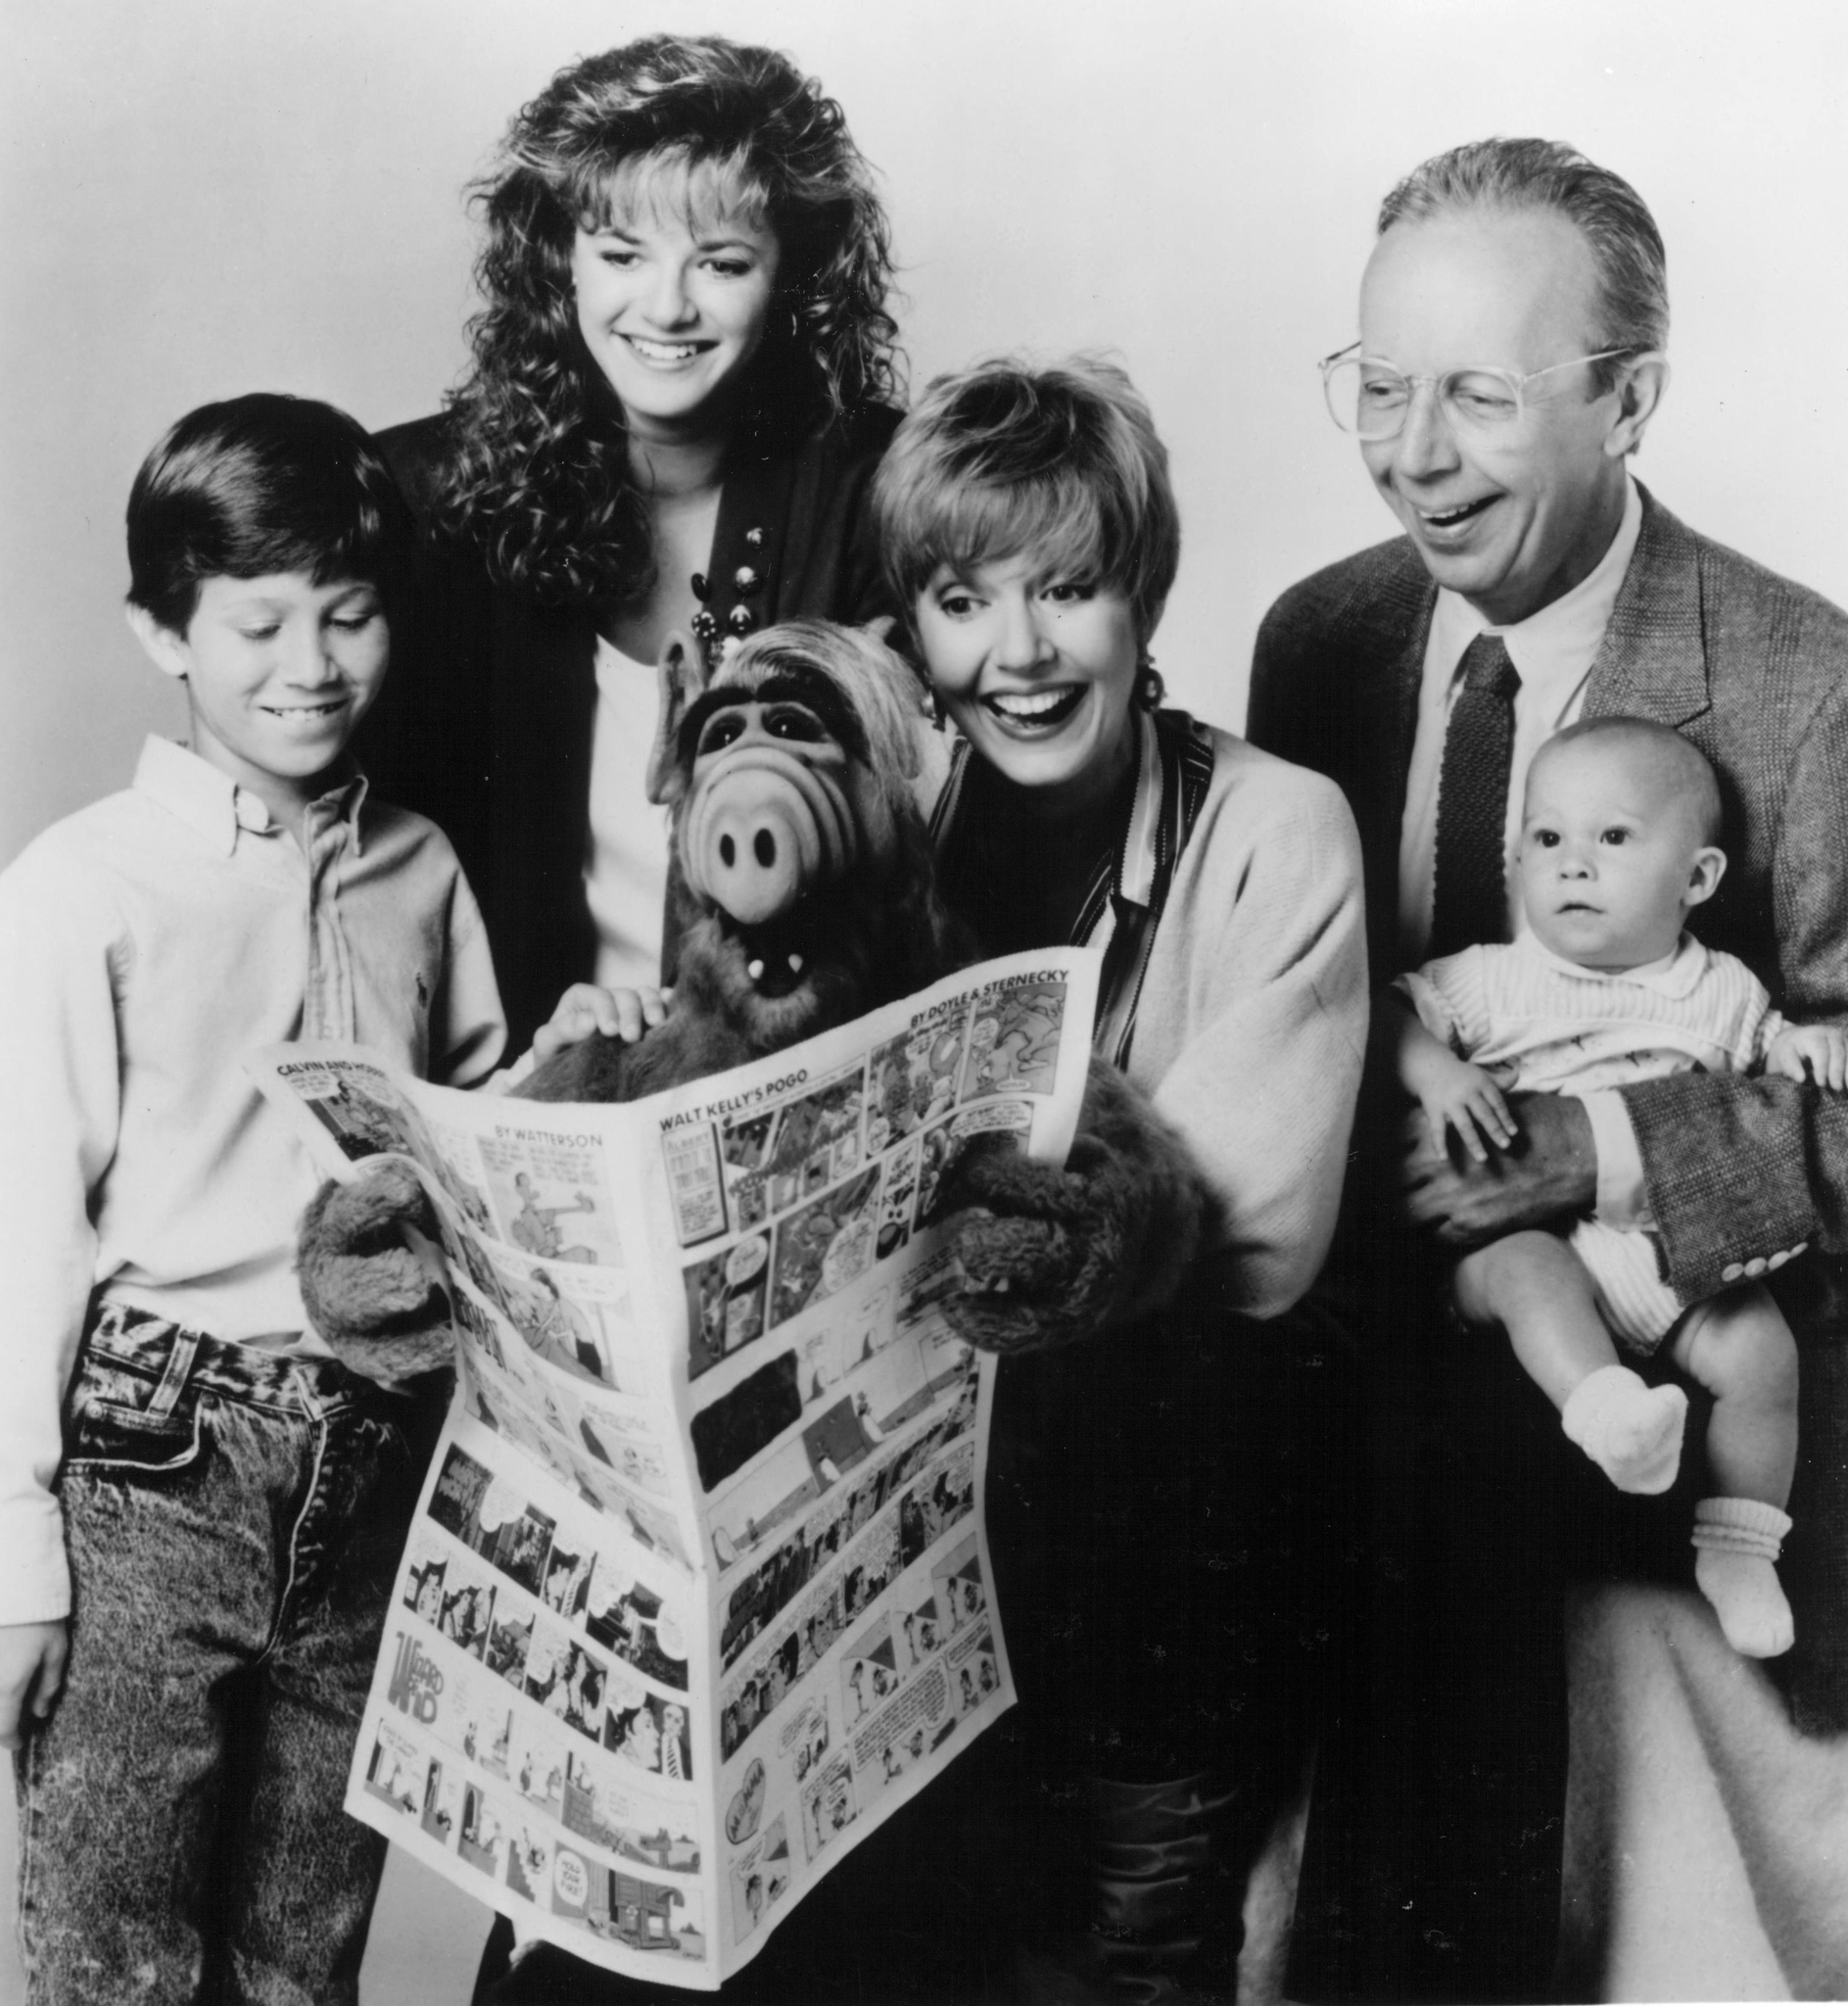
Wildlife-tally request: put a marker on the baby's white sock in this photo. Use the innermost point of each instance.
(1740, 1539)
(1633, 1432)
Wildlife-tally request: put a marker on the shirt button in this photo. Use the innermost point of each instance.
(1732, 1271)
(1755, 1266)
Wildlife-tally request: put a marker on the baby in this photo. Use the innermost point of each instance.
(1618, 845)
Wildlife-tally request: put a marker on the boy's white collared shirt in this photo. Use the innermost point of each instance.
(146, 943)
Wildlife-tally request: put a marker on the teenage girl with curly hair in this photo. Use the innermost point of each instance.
(684, 375)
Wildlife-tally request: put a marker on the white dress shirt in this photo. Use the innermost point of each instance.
(626, 878)
(1552, 651)
(144, 944)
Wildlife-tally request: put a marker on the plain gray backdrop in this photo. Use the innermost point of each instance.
(201, 198)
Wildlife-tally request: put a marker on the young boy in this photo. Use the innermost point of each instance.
(195, 1557)
(1617, 845)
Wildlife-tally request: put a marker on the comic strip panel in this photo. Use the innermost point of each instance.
(760, 1878)
(599, 1808)
(898, 1199)
(823, 1247)
(627, 1908)
(725, 1301)
(960, 1590)
(632, 1621)
(565, 1678)
(829, 1807)
(1014, 1038)
(897, 1736)
(466, 1610)
(911, 1081)
(550, 1195)
(487, 1515)
(652, 1732)
(811, 1143)
(358, 1107)
(584, 1332)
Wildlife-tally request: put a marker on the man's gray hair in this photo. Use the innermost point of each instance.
(1546, 173)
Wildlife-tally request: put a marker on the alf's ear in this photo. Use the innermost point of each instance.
(881, 626)
(683, 675)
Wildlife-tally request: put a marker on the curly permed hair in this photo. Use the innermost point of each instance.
(540, 478)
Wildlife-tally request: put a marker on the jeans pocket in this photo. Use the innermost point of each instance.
(104, 1435)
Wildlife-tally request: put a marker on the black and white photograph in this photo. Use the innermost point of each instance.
(1336, 507)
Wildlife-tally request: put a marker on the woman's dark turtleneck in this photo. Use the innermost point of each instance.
(1015, 870)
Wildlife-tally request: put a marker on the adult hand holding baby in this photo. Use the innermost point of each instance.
(1550, 1170)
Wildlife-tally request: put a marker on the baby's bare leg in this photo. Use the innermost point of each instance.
(1538, 1289)
(1739, 1347)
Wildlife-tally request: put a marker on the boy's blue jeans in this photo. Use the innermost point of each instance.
(233, 1518)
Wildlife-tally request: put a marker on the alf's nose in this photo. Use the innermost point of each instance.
(756, 863)
(763, 834)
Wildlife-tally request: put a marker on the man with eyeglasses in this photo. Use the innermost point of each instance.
(1512, 321)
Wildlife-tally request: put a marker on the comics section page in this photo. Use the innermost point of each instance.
(697, 1592)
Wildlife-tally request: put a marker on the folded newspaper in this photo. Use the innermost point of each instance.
(699, 1590)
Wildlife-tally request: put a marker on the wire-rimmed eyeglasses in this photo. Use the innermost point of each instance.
(1369, 398)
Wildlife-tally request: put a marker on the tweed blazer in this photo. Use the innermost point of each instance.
(485, 720)
(1754, 670)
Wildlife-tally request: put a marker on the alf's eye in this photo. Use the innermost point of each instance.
(799, 725)
(720, 732)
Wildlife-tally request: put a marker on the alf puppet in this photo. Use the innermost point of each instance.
(803, 896)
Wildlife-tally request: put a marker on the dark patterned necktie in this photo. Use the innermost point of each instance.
(1469, 900)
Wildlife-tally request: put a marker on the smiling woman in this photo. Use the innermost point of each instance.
(682, 368)
(672, 292)
(1032, 534)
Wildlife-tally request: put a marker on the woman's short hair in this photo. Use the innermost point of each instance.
(542, 479)
(1606, 211)
(254, 486)
(1012, 456)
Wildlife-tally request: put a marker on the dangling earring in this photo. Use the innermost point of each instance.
(1150, 688)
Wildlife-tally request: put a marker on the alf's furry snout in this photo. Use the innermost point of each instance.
(804, 890)
(766, 821)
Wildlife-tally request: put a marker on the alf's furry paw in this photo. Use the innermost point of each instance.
(364, 1290)
(1053, 1256)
